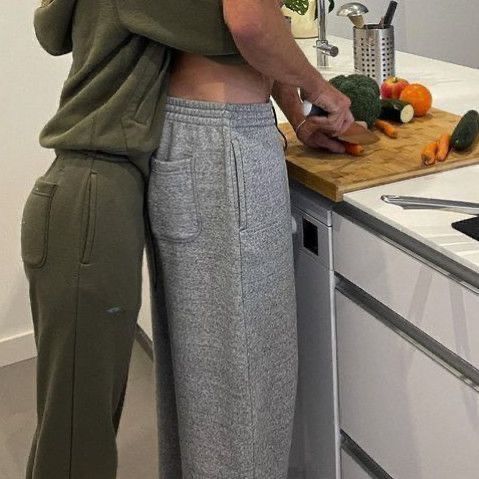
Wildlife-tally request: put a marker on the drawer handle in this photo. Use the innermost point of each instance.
(362, 458)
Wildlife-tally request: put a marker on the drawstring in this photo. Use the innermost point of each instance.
(285, 140)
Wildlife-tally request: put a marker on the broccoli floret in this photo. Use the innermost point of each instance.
(337, 81)
(365, 104)
(348, 85)
(364, 95)
(365, 81)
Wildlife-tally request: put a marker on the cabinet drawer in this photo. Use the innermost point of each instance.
(410, 414)
(350, 469)
(438, 305)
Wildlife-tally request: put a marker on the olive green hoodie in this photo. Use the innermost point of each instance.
(112, 102)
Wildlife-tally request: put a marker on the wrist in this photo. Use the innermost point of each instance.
(315, 86)
(296, 120)
(299, 125)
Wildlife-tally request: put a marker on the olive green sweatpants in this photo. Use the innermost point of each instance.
(82, 245)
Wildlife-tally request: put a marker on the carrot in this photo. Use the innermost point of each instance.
(444, 147)
(386, 128)
(429, 154)
(353, 149)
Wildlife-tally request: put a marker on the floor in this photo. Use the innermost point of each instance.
(137, 436)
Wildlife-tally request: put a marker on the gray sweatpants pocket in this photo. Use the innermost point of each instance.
(173, 204)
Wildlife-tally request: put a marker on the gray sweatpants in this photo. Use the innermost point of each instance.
(224, 293)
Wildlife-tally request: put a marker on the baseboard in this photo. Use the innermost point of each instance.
(144, 341)
(17, 348)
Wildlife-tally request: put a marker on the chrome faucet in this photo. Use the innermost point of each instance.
(324, 48)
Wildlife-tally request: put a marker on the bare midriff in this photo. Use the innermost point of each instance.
(195, 77)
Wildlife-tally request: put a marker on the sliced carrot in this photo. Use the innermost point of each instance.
(386, 128)
(353, 149)
(444, 147)
(429, 154)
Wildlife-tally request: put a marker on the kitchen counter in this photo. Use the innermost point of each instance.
(433, 228)
(387, 315)
(454, 89)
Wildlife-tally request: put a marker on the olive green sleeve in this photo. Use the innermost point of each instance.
(195, 26)
(52, 30)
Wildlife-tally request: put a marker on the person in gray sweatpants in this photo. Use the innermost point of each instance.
(222, 226)
(220, 213)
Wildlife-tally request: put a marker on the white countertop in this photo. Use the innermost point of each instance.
(455, 89)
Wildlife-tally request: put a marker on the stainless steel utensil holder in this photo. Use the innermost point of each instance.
(374, 52)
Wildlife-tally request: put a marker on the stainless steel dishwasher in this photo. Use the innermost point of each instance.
(316, 437)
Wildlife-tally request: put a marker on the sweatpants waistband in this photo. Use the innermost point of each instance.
(218, 114)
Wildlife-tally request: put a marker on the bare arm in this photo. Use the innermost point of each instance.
(288, 100)
(264, 39)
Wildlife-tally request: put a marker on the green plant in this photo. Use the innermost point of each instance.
(302, 6)
(298, 6)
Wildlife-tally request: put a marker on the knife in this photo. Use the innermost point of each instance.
(388, 19)
(412, 202)
(356, 133)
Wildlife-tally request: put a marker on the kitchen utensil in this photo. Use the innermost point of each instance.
(354, 11)
(356, 133)
(469, 227)
(412, 202)
(374, 52)
(388, 18)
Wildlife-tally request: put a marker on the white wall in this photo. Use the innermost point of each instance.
(30, 84)
(443, 29)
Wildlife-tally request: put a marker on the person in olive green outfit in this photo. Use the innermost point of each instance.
(83, 226)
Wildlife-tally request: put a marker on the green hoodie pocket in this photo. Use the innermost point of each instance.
(35, 223)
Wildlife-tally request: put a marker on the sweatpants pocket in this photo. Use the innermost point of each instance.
(172, 200)
(35, 223)
(238, 184)
(264, 177)
(90, 218)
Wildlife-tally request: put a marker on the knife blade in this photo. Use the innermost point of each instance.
(356, 133)
(412, 202)
(359, 135)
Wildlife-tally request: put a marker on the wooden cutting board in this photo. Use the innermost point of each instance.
(385, 162)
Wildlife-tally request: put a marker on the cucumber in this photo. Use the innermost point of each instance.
(396, 110)
(466, 131)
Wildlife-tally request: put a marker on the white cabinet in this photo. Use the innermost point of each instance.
(395, 369)
(350, 469)
(430, 300)
(409, 413)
